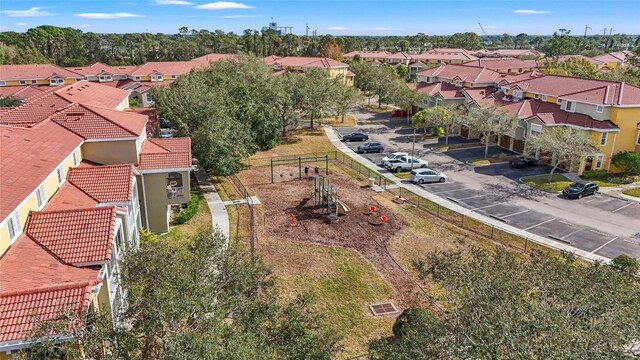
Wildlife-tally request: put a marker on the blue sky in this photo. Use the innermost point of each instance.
(349, 17)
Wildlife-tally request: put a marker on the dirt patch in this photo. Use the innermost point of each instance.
(359, 229)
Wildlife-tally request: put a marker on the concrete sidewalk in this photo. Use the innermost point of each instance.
(335, 140)
(219, 216)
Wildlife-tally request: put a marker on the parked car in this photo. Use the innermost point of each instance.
(356, 136)
(370, 147)
(404, 163)
(524, 162)
(164, 123)
(398, 113)
(580, 188)
(166, 133)
(392, 156)
(426, 175)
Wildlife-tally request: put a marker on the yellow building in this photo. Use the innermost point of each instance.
(368, 56)
(335, 69)
(612, 60)
(37, 74)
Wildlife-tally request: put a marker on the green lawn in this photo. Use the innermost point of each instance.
(402, 175)
(557, 183)
(635, 191)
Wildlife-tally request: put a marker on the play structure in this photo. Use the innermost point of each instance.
(288, 168)
(325, 196)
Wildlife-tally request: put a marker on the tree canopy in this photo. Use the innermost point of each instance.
(560, 145)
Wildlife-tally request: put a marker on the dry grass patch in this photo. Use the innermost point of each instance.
(303, 141)
(202, 219)
(635, 191)
(225, 188)
(337, 121)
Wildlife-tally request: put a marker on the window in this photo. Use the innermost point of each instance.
(536, 129)
(603, 139)
(509, 71)
(2, 83)
(599, 109)
(23, 82)
(438, 101)
(149, 97)
(560, 101)
(137, 77)
(519, 70)
(517, 94)
(105, 78)
(174, 186)
(536, 96)
(599, 160)
(638, 141)
(76, 158)
(173, 77)
(60, 173)
(41, 196)
(119, 244)
(34, 82)
(14, 226)
(156, 77)
(544, 97)
(55, 81)
(570, 106)
(459, 83)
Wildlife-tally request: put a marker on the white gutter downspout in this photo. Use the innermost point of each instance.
(146, 213)
(613, 145)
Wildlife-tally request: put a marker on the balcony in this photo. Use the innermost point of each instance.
(175, 192)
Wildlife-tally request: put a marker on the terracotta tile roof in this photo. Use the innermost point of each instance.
(511, 78)
(502, 63)
(92, 93)
(213, 57)
(443, 55)
(367, 54)
(306, 62)
(462, 72)
(109, 183)
(445, 90)
(152, 115)
(166, 68)
(28, 157)
(21, 311)
(581, 89)
(449, 50)
(399, 55)
(70, 197)
(99, 68)
(567, 57)
(35, 71)
(75, 236)
(92, 122)
(34, 110)
(508, 52)
(617, 56)
(22, 92)
(170, 153)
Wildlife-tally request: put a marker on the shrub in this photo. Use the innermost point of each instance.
(626, 264)
(627, 161)
(604, 175)
(186, 214)
(416, 319)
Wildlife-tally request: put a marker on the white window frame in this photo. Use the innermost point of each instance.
(105, 78)
(76, 158)
(599, 161)
(535, 129)
(459, 83)
(3, 83)
(173, 77)
(517, 94)
(543, 97)
(23, 82)
(520, 70)
(148, 97)
(560, 102)
(34, 82)
(638, 141)
(570, 106)
(137, 78)
(536, 96)
(41, 196)
(599, 109)
(13, 225)
(156, 77)
(603, 139)
(438, 101)
(61, 175)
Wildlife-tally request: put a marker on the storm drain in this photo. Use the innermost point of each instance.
(381, 309)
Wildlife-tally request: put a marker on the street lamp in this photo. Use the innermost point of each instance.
(413, 146)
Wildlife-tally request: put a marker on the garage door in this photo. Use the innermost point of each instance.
(518, 146)
(464, 131)
(505, 141)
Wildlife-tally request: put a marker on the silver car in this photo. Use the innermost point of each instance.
(426, 175)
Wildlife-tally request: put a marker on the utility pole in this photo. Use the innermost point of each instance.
(604, 32)
(586, 27)
(610, 31)
(307, 32)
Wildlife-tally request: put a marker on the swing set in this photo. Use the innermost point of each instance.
(286, 166)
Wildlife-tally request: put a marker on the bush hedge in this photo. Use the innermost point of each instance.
(604, 175)
(186, 214)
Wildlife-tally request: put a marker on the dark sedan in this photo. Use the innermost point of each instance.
(579, 189)
(370, 147)
(524, 162)
(356, 136)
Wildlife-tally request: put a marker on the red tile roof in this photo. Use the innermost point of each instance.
(75, 236)
(92, 122)
(92, 93)
(21, 92)
(367, 54)
(152, 115)
(446, 90)
(305, 62)
(35, 71)
(399, 55)
(109, 183)
(466, 73)
(99, 68)
(567, 57)
(502, 63)
(581, 89)
(511, 78)
(170, 153)
(21, 311)
(28, 157)
(70, 197)
(508, 52)
(442, 55)
(166, 68)
(213, 57)
(617, 56)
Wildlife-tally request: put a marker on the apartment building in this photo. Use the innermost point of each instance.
(79, 180)
(504, 65)
(613, 60)
(508, 53)
(334, 69)
(368, 56)
(608, 110)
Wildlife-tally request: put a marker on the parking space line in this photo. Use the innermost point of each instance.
(470, 197)
(444, 191)
(622, 207)
(487, 206)
(544, 222)
(515, 213)
(605, 244)
(573, 232)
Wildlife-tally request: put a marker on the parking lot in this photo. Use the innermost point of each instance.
(518, 205)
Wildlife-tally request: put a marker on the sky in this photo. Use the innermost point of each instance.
(348, 17)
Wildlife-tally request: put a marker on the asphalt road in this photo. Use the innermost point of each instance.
(601, 224)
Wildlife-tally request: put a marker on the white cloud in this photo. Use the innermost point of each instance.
(223, 5)
(80, 26)
(34, 11)
(531, 12)
(173, 2)
(22, 24)
(382, 29)
(337, 28)
(106, 15)
(240, 16)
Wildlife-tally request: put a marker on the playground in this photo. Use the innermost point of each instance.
(329, 209)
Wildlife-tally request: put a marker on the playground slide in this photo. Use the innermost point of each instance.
(344, 206)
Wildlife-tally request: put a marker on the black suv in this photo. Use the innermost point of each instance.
(524, 162)
(580, 188)
(370, 147)
(356, 136)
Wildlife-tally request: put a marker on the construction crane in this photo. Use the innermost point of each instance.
(485, 34)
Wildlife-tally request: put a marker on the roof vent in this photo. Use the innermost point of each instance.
(75, 114)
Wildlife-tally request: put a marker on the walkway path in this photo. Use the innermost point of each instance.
(219, 216)
(335, 140)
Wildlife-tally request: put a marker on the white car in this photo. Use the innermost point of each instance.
(426, 175)
(392, 156)
(166, 133)
(405, 163)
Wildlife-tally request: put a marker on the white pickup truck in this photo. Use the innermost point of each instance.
(404, 163)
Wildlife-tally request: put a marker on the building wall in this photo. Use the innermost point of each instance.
(124, 104)
(111, 152)
(589, 109)
(155, 196)
(38, 82)
(627, 120)
(31, 204)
